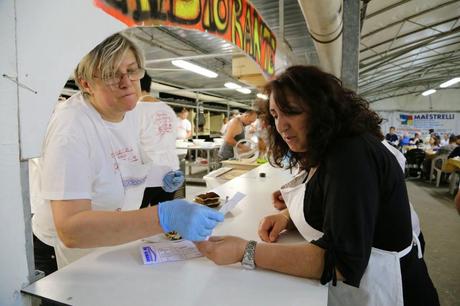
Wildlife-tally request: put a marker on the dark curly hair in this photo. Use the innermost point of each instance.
(334, 112)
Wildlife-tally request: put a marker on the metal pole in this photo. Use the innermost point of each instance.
(196, 116)
(350, 42)
(281, 20)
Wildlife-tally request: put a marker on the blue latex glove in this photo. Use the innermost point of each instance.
(173, 180)
(192, 221)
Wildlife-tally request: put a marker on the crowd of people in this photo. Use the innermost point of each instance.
(106, 145)
(432, 141)
(426, 149)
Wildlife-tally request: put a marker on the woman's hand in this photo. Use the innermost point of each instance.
(271, 226)
(223, 250)
(173, 180)
(278, 201)
(192, 221)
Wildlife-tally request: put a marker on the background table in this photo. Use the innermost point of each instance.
(211, 150)
(116, 275)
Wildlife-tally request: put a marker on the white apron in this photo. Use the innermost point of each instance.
(381, 284)
(132, 179)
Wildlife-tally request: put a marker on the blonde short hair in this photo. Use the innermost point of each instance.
(105, 59)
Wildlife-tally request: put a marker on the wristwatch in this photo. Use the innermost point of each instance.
(248, 261)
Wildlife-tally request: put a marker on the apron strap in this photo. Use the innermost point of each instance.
(419, 246)
(415, 242)
(310, 174)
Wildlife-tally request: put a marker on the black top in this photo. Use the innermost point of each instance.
(358, 199)
(391, 137)
(455, 152)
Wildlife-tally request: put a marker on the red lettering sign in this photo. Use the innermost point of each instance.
(235, 21)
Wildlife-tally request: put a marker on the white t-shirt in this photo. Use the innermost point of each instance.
(223, 129)
(78, 163)
(158, 139)
(183, 128)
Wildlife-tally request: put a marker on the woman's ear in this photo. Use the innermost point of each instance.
(86, 86)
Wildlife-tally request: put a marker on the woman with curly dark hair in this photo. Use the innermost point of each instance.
(348, 199)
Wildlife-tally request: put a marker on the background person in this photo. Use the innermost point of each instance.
(455, 152)
(427, 137)
(184, 126)
(391, 137)
(349, 200)
(445, 139)
(236, 132)
(158, 140)
(416, 140)
(92, 176)
(224, 125)
(434, 142)
(184, 131)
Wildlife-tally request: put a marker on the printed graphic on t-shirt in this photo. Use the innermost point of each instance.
(133, 181)
(163, 123)
(126, 154)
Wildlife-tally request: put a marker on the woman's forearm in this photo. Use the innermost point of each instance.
(304, 260)
(89, 229)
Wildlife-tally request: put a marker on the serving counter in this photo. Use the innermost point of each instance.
(117, 276)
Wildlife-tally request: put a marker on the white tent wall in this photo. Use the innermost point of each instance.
(444, 102)
(13, 260)
(41, 44)
(52, 36)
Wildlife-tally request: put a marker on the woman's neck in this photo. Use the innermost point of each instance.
(106, 115)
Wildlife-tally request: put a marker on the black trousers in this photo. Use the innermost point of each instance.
(154, 195)
(44, 257)
(418, 289)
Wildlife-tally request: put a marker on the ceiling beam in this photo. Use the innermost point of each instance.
(387, 8)
(379, 54)
(406, 50)
(427, 27)
(193, 57)
(408, 17)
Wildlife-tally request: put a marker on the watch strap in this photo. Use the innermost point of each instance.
(248, 260)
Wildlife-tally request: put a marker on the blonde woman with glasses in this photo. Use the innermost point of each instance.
(92, 169)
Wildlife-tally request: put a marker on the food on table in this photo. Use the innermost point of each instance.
(210, 199)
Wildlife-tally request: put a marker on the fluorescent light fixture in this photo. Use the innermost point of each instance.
(262, 96)
(428, 92)
(194, 68)
(450, 82)
(232, 85)
(244, 90)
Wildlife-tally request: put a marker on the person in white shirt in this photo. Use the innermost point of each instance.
(158, 140)
(92, 170)
(184, 126)
(224, 125)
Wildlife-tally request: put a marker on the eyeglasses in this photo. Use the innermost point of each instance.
(115, 79)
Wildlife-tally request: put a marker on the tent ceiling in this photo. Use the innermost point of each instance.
(162, 44)
(406, 47)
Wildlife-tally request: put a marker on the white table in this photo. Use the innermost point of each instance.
(208, 147)
(116, 275)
